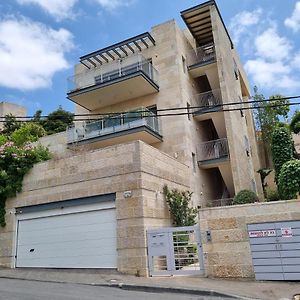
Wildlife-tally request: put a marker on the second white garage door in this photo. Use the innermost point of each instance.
(84, 239)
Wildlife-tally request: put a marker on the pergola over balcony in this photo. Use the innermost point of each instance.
(118, 51)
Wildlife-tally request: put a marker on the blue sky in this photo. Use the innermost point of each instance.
(41, 40)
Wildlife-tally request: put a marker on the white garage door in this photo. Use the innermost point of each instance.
(80, 239)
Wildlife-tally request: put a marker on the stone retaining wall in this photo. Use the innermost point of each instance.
(135, 167)
(228, 253)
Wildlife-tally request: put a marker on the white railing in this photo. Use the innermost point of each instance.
(112, 71)
(201, 55)
(208, 99)
(213, 150)
(114, 124)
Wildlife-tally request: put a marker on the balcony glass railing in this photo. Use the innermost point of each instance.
(201, 55)
(112, 71)
(114, 124)
(213, 150)
(208, 99)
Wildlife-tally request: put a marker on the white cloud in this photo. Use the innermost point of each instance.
(296, 60)
(60, 9)
(270, 45)
(114, 4)
(272, 60)
(241, 22)
(294, 21)
(31, 53)
(272, 75)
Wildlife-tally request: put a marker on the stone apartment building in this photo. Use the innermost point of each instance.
(90, 206)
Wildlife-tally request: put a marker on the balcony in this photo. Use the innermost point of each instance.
(120, 80)
(208, 102)
(213, 153)
(130, 126)
(201, 59)
(220, 202)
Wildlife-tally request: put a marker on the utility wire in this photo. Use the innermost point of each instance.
(206, 110)
(179, 108)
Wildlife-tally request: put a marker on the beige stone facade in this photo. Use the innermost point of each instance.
(212, 154)
(135, 167)
(7, 108)
(228, 253)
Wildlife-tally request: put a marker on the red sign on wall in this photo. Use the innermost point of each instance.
(286, 232)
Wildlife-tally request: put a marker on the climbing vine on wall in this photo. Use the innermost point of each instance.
(17, 157)
(282, 149)
(289, 180)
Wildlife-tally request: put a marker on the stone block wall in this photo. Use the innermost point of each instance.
(228, 253)
(135, 167)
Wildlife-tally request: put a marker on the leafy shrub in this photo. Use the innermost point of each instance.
(27, 133)
(272, 195)
(289, 180)
(282, 149)
(245, 196)
(179, 203)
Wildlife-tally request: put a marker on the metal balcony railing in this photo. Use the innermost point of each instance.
(114, 124)
(201, 55)
(213, 150)
(112, 71)
(220, 202)
(208, 99)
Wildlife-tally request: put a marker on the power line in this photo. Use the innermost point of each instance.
(206, 110)
(178, 108)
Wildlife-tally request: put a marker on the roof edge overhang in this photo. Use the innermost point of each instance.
(200, 6)
(118, 50)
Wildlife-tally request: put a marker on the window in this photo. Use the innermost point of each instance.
(194, 162)
(241, 106)
(183, 64)
(188, 110)
(236, 70)
(247, 146)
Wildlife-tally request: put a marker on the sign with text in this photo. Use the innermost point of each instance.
(261, 233)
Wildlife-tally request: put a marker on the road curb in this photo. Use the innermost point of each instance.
(171, 290)
(141, 288)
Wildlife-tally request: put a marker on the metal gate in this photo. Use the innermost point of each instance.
(275, 250)
(175, 251)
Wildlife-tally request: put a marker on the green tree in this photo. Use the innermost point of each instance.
(282, 148)
(37, 116)
(179, 203)
(267, 117)
(295, 123)
(56, 121)
(10, 124)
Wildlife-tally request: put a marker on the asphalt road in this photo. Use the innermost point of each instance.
(12, 289)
